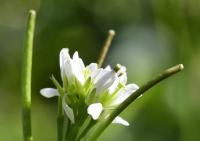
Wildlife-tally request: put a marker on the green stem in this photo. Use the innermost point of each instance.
(60, 120)
(60, 114)
(26, 77)
(67, 129)
(102, 126)
(86, 128)
(105, 48)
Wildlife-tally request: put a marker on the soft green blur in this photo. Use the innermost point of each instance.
(152, 35)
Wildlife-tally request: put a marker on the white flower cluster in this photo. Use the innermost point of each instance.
(89, 90)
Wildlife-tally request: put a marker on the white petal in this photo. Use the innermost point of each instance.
(105, 86)
(82, 65)
(130, 88)
(49, 92)
(78, 60)
(124, 93)
(108, 68)
(106, 80)
(92, 67)
(69, 70)
(64, 55)
(68, 110)
(113, 87)
(95, 110)
(104, 76)
(97, 75)
(78, 68)
(119, 120)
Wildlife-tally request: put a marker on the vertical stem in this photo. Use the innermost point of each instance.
(60, 120)
(86, 128)
(60, 113)
(105, 48)
(26, 77)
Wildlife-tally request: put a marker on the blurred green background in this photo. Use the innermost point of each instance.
(152, 35)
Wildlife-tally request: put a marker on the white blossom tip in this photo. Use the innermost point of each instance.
(95, 110)
(49, 92)
(64, 50)
(119, 120)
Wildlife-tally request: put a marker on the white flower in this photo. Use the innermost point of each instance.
(108, 79)
(99, 88)
(72, 68)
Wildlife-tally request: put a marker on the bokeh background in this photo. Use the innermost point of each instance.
(152, 35)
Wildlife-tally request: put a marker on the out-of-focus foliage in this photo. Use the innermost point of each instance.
(151, 36)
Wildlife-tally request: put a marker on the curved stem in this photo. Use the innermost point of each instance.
(26, 77)
(102, 126)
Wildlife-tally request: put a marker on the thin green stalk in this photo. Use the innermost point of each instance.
(86, 128)
(60, 113)
(60, 120)
(67, 129)
(102, 126)
(26, 77)
(105, 48)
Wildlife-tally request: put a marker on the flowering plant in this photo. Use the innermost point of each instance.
(90, 97)
(88, 90)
